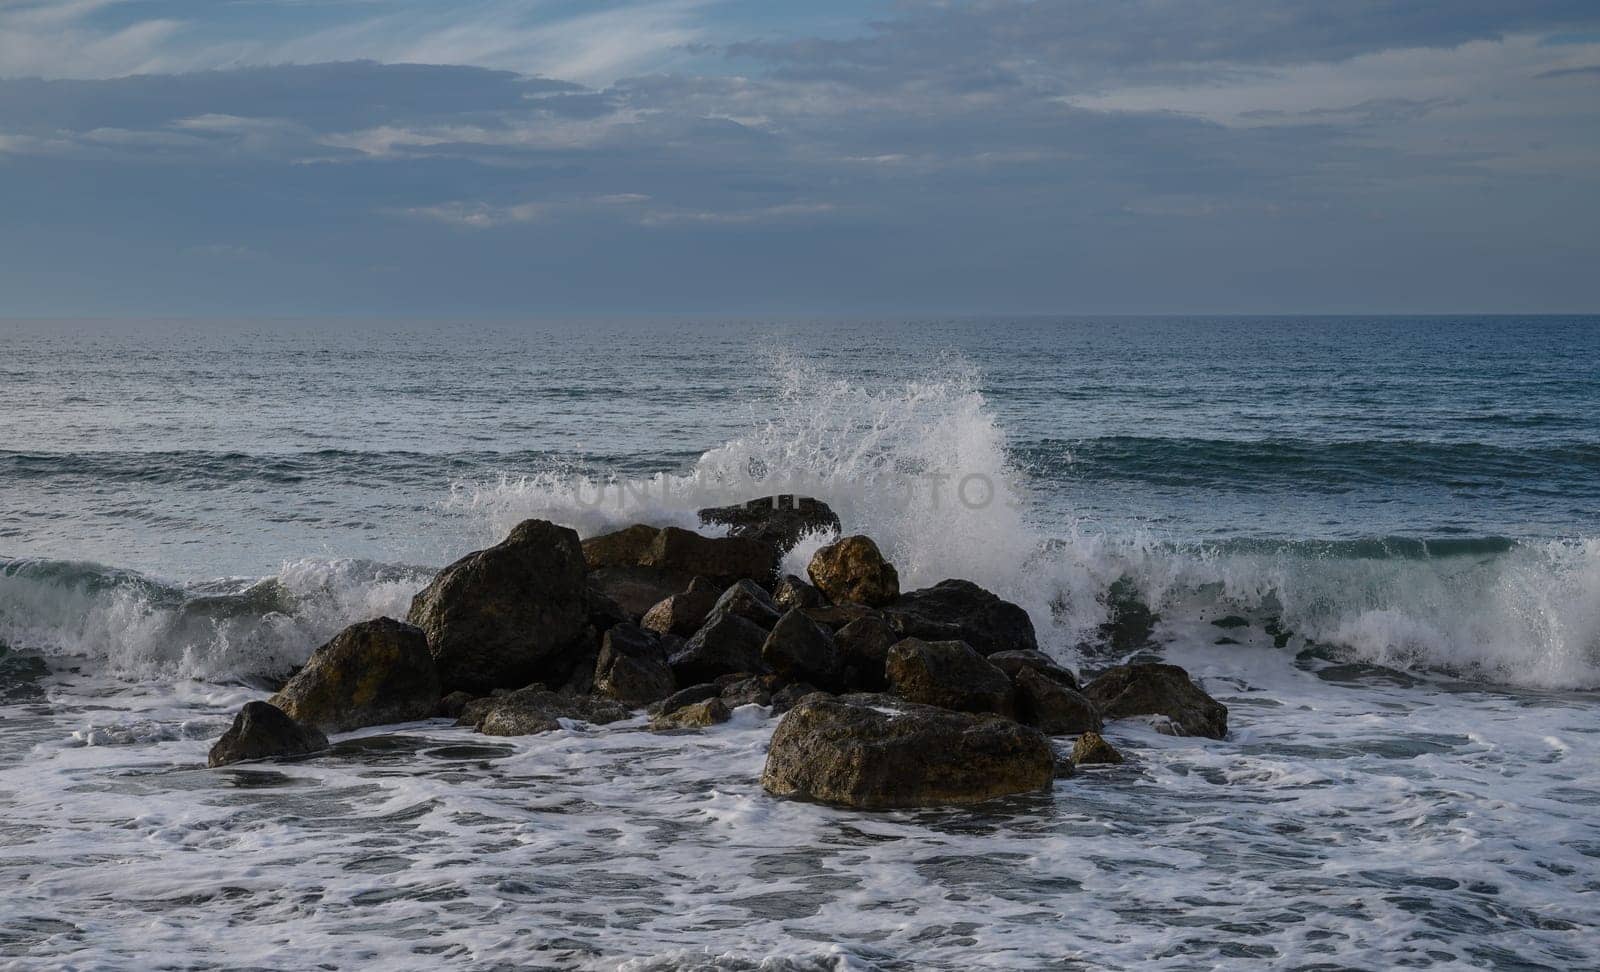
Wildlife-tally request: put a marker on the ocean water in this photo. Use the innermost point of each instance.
(1411, 779)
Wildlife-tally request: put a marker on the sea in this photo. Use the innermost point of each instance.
(1396, 519)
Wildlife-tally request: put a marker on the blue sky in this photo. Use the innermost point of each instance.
(506, 157)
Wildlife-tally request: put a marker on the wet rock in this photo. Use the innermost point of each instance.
(853, 570)
(778, 520)
(371, 674)
(727, 643)
(632, 667)
(790, 695)
(798, 648)
(961, 610)
(792, 592)
(696, 715)
(722, 560)
(1232, 621)
(511, 614)
(863, 647)
(452, 705)
(748, 600)
(1129, 621)
(1013, 662)
(748, 690)
(836, 616)
(683, 613)
(627, 547)
(636, 590)
(948, 674)
(263, 731)
(1052, 707)
(686, 696)
(1159, 690)
(856, 755)
(1091, 749)
(536, 709)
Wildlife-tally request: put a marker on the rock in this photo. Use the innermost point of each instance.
(371, 673)
(686, 696)
(961, 610)
(636, 590)
(682, 613)
(1012, 662)
(747, 600)
(948, 674)
(721, 559)
(1155, 689)
(751, 689)
(1129, 621)
(1052, 707)
(263, 731)
(792, 592)
(852, 754)
(726, 644)
(852, 570)
(1232, 621)
(799, 649)
(778, 520)
(863, 647)
(537, 709)
(836, 616)
(452, 705)
(627, 547)
(1091, 748)
(790, 695)
(697, 715)
(509, 615)
(632, 667)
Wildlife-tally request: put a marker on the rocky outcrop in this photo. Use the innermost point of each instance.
(792, 592)
(1054, 708)
(777, 520)
(961, 610)
(799, 649)
(948, 674)
(1092, 749)
(853, 570)
(263, 731)
(683, 613)
(371, 673)
(537, 709)
(854, 754)
(696, 715)
(684, 553)
(511, 614)
(725, 644)
(1159, 690)
(632, 667)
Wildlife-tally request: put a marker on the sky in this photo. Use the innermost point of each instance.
(544, 157)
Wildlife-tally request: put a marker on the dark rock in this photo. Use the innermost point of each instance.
(637, 590)
(696, 715)
(1232, 621)
(751, 689)
(1052, 707)
(452, 705)
(1129, 621)
(686, 696)
(603, 610)
(948, 674)
(371, 673)
(961, 610)
(536, 709)
(511, 614)
(790, 695)
(632, 667)
(263, 731)
(627, 547)
(798, 648)
(792, 592)
(863, 647)
(748, 600)
(1091, 749)
(778, 520)
(1012, 662)
(726, 644)
(836, 616)
(853, 570)
(682, 613)
(852, 754)
(1161, 690)
(721, 559)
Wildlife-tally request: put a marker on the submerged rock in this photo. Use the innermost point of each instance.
(1129, 621)
(1091, 748)
(632, 667)
(778, 520)
(696, 715)
(800, 649)
(948, 674)
(856, 755)
(1159, 690)
(1052, 707)
(262, 731)
(853, 570)
(537, 709)
(371, 673)
(509, 615)
(961, 610)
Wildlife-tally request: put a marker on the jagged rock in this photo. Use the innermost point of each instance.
(1012, 662)
(853, 570)
(778, 520)
(747, 600)
(511, 614)
(723, 560)
(636, 590)
(727, 643)
(799, 648)
(686, 696)
(1052, 707)
(948, 674)
(790, 695)
(263, 731)
(863, 647)
(684, 612)
(1091, 748)
(961, 610)
(792, 592)
(371, 673)
(452, 705)
(696, 715)
(537, 709)
(632, 666)
(1129, 621)
(1161, 690)
(853, 754)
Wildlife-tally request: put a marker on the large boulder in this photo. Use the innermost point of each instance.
(853, 570)
(371, 674)
(632, 667)
(509, 615)
(1014, 662)
(724, 645)
(962, 610)
(799, 649)
(536, 709)
(854, 754)
(778, 520)
(684, 553)
(682, 613)
(262, 731)
(1152, 689)
(1053, 707)
(948, 674)
(637, 590)
(863, 647)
